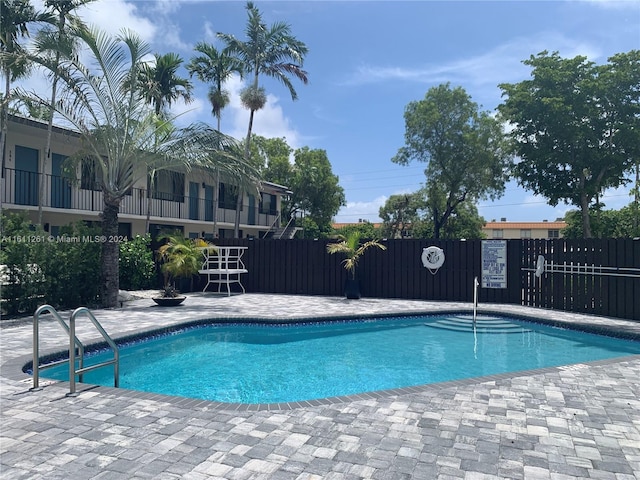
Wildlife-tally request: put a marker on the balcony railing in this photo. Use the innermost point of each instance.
(21, 188)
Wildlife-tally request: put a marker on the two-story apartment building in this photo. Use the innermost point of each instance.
(536, 230)
(175, 200)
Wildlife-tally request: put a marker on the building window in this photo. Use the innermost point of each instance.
(553, 234)
(497, 233)
(228, 196)
(525, 233)
(169, 186)
(268, 204)
(90, 175)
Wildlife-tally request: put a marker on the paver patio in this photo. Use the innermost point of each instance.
(580, 421)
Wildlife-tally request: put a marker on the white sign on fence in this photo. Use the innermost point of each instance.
(494, 264)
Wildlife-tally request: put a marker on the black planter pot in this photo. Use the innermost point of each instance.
(352, 289)
(169, 301)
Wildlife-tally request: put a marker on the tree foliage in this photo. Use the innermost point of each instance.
(123, 138)
(623, 223)
(16, 17)
(215, 67)
(399, 213)
(270, 51)
(352, 249)
(316, 190)
(576, 126)
(160, 83)
(464, 149)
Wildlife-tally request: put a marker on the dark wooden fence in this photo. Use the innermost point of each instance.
(595, 276)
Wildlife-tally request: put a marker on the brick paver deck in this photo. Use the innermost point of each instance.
(580, 421)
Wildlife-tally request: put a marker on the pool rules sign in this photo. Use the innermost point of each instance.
(494, 264)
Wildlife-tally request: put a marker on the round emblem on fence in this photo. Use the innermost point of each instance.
(432, 258)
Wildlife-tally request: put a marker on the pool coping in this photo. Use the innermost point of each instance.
(13, 368)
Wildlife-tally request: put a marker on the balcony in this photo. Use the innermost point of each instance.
(20, 190)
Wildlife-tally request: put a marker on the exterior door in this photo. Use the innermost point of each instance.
(60, 188)
(26, 181)
(194, 193)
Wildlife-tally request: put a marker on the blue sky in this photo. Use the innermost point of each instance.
(368, 59)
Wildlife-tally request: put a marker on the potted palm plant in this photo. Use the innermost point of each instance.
(179, 257)
(353, 250)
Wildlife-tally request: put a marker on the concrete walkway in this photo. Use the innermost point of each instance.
(580, 421)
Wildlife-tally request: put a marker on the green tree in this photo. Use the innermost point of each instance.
(316, 190)
(352, 249)
(464, 150)
(275, 154)
(604, 223)
(400, 212)
(16, 16)
(576, 126)
(122, 136)
(160, 83)
(55, 41)
(464, 222)
(215, 67)
(364, 229)
(270, 51)
(136, 267)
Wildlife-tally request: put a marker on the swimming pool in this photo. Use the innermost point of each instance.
(271, 363)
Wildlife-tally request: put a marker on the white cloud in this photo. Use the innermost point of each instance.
(614, 4)
(269, 122)
(500, 64)
(480, 74)
(114, 15)
(355, 211)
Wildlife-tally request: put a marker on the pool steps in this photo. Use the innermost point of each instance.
(483, 324)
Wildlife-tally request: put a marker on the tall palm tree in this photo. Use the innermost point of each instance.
(160, 83)
(216, 67)
(56, 41)
(160, 86)
(122, 137)
(271, 51)
(15, 18)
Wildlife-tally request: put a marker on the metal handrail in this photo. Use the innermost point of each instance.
(272, 226)
(291, 219)
(587, 269)
(74, 341)
(475, 299)
(72, 354)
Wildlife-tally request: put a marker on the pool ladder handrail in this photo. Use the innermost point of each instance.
(475, 299)
(74, 343)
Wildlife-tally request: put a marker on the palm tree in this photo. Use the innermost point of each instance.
(160, 86)
(121, 135)
(271, 51)
(215, 66)
(352, 250)
(160, 83)
(16, 15)
(57, 41)
(179, 257)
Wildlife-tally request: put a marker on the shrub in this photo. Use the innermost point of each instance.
(137, 268)
(22, 278)
(63, 271)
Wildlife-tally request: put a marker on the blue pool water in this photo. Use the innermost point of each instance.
(259, 363)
